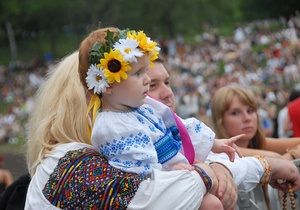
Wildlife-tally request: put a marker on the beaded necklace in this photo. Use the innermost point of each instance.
(292, 198)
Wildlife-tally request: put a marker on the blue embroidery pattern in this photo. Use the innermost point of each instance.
(167, 147)
(149, 110)
(140, 119)
(125, 144)
(198, 128)
(158, 124)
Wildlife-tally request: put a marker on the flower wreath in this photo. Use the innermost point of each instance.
(110, 61)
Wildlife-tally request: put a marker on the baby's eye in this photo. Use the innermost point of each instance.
(234, 113)
(138, 73)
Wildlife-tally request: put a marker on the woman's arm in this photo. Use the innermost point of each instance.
(83, 178)
(251, 152)
(250, 171)
(179, 189)
(246, 171)
(280, 145)
(276, 148)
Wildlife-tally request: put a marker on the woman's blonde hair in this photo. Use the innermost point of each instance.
(220, 104)
(60, 112)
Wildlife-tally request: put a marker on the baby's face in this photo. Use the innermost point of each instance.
(131, 92)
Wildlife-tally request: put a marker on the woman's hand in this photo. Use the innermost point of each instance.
(283, 170)
(292, 153)
(223, 185)
(227, 190)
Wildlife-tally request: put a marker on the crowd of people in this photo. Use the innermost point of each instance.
(17, 90)
(61, 159)
(197, 73)
(257, 57)
(198, 70)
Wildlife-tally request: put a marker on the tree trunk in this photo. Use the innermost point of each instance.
(12, 42)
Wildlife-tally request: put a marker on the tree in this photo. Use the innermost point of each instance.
(268, 9)
(8, 16)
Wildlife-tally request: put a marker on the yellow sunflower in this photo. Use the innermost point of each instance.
(114, 66)
(153, 56)
(144, 42)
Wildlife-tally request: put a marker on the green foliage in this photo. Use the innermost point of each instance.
(35, 48)
(97, 52)
(9, 9)
(48, 19)
(268, 9)
(98, 49)
(110, 39)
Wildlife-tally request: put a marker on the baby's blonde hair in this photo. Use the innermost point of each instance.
(60, 112)
(85, 48)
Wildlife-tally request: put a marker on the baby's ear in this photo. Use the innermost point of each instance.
(109, 90)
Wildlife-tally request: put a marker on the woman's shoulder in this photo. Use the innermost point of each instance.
(83, 178)
(71, 146)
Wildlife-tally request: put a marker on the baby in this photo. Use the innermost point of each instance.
(134, 132)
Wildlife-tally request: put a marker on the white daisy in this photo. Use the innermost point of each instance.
(149, 40)
(129, 49)
(96, 80)
(157, 48)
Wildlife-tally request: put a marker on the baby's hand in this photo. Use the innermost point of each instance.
(228, 146)
(182, 166)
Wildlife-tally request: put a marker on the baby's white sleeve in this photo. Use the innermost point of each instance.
(171, 190)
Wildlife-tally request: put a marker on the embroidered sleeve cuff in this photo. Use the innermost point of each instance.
(265, 179)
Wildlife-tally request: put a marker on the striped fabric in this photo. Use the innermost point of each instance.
(83, 179)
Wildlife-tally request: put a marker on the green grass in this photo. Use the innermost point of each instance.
(3, 106)
(18, 148)
(7, 147)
